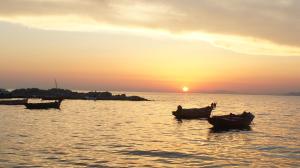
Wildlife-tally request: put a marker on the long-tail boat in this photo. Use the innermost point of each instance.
(47, 105)
(194, 113)
(232, 120)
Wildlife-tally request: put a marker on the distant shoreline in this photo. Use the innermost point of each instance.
(54, 94)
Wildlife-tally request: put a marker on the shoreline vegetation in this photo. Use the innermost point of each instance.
(57, 93)
(53, 94)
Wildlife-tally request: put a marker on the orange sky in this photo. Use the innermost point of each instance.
(150, 46)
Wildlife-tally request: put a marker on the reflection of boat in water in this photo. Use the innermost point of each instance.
(232, 121)
(194, 113)
(13, 102)
(221, 130)
(47, 105)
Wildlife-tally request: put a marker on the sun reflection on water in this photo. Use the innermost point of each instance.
(140, 134)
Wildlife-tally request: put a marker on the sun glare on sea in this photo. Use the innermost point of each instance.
(185, 89)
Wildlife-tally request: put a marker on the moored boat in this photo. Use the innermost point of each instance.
(232, 120)
(13, 102)
(47, 105)
(194, 113)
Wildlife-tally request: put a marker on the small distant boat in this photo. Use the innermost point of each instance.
(14, 102)
(232, 120)
(48, 105)
(194, 113)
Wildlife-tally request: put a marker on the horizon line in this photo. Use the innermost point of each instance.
(229, 92)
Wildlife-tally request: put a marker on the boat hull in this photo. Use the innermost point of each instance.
(232, 121)
(55, 105)
(193, 113)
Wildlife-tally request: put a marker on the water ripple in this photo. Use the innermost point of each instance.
(145, 134)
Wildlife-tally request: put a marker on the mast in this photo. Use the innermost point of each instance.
(55, 83)
(57, 93)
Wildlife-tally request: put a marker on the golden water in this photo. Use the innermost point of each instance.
(145, 134)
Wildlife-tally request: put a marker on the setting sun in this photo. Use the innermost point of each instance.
(185, 89)
(141, 78)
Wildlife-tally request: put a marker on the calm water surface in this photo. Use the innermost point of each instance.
(145, 134)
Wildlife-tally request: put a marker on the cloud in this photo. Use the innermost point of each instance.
(269, 27)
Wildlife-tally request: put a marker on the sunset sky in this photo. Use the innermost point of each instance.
(140, 45)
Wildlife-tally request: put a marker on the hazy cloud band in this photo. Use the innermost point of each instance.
(269, 27)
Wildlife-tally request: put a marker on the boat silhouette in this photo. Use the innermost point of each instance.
(47, 105)
(232, 120)
(194, 113)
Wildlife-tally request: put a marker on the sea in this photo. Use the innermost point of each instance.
(87, 133)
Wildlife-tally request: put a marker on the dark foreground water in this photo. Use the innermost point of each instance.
(145, 134)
